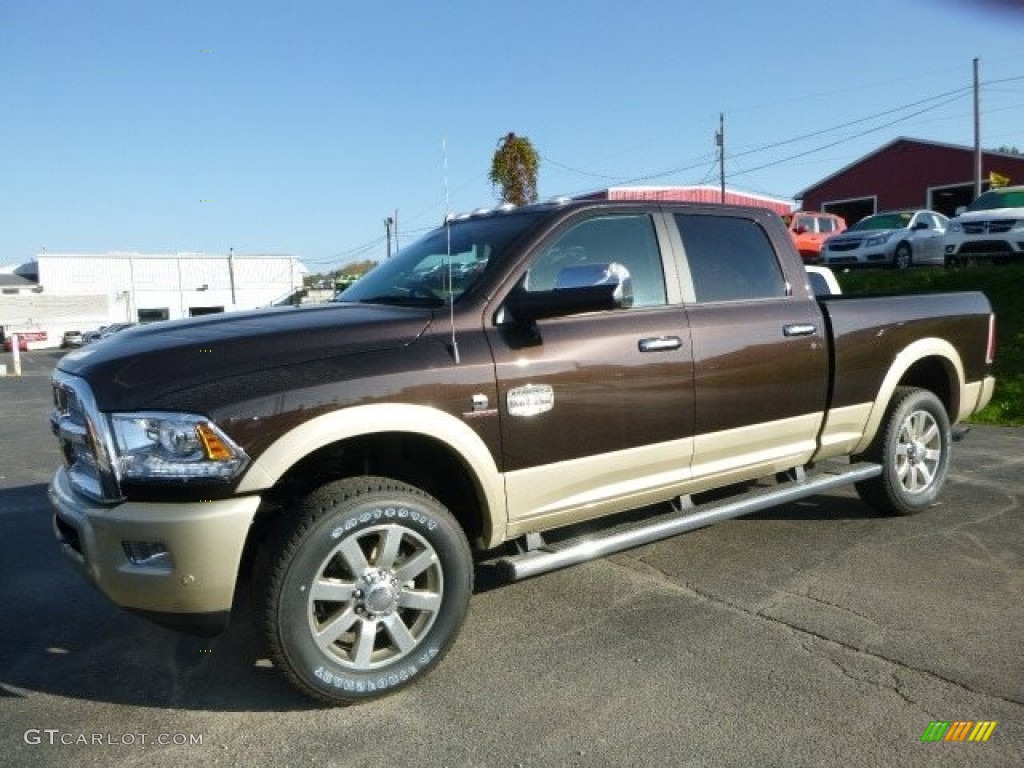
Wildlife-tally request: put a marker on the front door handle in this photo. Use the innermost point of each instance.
(660, 343)
(799, 329)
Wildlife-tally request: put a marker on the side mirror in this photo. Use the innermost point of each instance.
(960, 209)
(800, 230)
(577, 289)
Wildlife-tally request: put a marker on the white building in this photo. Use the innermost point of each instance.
(81, 291)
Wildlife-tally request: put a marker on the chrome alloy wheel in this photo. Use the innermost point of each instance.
(918, 452)
(375, 597)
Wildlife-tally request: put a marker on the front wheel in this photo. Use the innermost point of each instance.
(364, 588)
(903, 257)
(912, 446)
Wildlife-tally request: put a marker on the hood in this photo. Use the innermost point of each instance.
(862, 234)
(140, 365)
(991, 213)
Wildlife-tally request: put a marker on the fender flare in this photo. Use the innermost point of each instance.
(908, 356)
(320, 431)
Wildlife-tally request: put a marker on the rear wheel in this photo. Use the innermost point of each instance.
(913, 448)
(364, 589)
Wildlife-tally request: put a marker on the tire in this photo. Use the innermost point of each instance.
(913, 447)
(364, 589)
(903, 257)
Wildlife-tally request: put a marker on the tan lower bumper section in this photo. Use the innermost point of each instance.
(164, 558)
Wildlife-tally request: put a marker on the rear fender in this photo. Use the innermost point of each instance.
(905, 360)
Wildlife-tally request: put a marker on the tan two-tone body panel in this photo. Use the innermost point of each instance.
(938, 341)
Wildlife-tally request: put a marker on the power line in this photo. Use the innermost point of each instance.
(700, 163)
(960, 91)
(706, 162)
(848, 138)
(564, 167)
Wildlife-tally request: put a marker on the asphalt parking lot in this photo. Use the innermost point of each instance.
(816, 633)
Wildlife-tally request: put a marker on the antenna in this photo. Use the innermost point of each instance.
(448, 232)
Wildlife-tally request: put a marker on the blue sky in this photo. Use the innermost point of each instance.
(297, 127)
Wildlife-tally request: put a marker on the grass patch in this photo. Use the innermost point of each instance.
(1004, 286)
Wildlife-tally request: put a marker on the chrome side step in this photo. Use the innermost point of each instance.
(589, 547)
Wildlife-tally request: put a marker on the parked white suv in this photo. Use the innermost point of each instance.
(992, 227)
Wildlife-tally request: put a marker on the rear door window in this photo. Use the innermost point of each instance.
(729, 258)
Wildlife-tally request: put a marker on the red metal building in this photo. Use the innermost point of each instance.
(698, 194)
(909, 173)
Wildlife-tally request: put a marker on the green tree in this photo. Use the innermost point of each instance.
(514, 170)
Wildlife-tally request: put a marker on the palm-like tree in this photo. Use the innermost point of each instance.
(514, 170)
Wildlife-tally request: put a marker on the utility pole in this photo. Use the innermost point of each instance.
(397, 249)
(977, 134)
(720, 142)
(388, 222)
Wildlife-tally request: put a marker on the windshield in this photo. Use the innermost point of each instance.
(998, 198)
(443, 265)
(898, 220)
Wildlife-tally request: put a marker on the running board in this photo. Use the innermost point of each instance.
(589, 547)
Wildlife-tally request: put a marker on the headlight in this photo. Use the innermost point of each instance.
(158, 446)
(877, 239)
(954, 227)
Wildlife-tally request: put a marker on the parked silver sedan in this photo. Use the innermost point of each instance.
(895, 238)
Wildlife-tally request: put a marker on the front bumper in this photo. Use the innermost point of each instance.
(191, 587)
(855, 258)
(964, 247)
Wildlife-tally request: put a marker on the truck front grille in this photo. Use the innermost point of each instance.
(990, 227)
(84, 439)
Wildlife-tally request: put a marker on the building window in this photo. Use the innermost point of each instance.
(153, 315)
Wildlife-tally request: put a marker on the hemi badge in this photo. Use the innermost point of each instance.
(530, 400)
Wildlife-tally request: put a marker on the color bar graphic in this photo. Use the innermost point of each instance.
(958, 730)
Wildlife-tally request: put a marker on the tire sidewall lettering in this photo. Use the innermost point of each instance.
(395, 513)
(372, 682)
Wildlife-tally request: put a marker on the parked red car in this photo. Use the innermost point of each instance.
(22, 344)
(809, 229)
(24, 337)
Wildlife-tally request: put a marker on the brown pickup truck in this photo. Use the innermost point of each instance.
(513, 387)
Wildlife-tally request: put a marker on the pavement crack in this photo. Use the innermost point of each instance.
(808, 596)
(638, 564)
(893, 687)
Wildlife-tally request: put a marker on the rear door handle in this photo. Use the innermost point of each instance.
(799, 329)
(660, 343)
